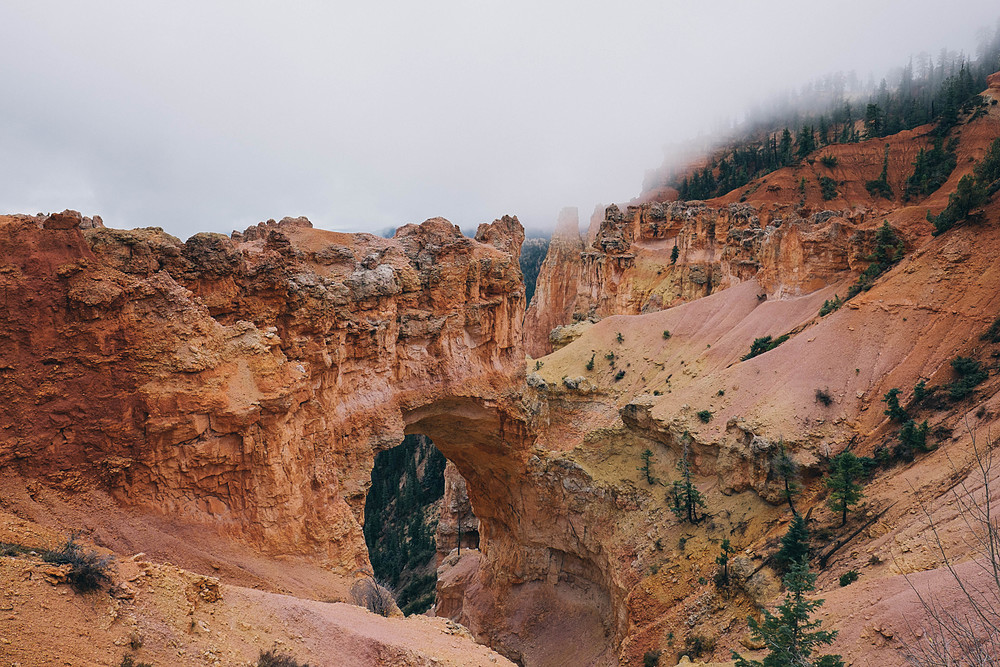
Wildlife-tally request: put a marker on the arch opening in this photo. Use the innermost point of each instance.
(416, 512)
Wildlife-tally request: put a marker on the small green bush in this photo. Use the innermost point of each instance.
(651, 658)
(619, 337)
(762, 345)
(590, 364)
(992, 334)
(970, 374)
(620, 374)
(666, 334)
(823, 396)
(830, 305)
(848, 577)
(829, 161)
(828, 188)
(705, 416)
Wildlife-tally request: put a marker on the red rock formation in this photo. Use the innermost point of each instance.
(558, 279)
(246, 383)
(457, 522)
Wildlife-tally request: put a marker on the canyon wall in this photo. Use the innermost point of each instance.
(246, 383)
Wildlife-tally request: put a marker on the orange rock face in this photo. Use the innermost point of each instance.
(246, 383)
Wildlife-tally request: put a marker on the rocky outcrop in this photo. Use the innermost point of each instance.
(555, 294)
(632, 268)
(246, 383)
(457, 524)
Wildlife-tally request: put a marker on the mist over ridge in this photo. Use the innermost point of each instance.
(199, 118)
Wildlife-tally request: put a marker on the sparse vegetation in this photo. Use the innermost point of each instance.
(931, 169)
(828, 188)
(590, 364)
(830, 305)
(848, 578)
(685, 497)
(880, 187)
(972, 192)
(828, 161)
(619, 337)
(646, 469)
(788, 470)
(620, 374)
(920, 391)
(674, 254)
(273, 658)
(705, 416)
(722, 576)
(762, 345)
(912, 439)
(666, 334)
(128, 660)
(696, 646)
(970, 374)
(792, 636)
(888, 251)
(794, 544)
(845, 490)
(893, 410)
(992, 334)
(89, 571)
(373, 596)
(651, 658)
(823, 396)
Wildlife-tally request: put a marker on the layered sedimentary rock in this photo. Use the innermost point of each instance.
(555, 293)
(457, 523)
(246, 383)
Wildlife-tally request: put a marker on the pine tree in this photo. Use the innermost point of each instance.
(674, 254)
(645, 468)
(791, 636)
(845, 490)
(893, 408)
(787, 469)
(794, 544)
(722, 560)
(685, 496)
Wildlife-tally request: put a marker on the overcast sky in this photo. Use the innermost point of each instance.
(211, 116)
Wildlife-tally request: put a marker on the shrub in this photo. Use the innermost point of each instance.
(920, 391)
(620, 374)
(762, 345)
(273, 658)
(829, 161)
(893, 410)
(590, 364)
(992, 334)
(88, 570)
(830, 305)
(651, 658)
(828, 188)
(823, 396)
(619, 337)
(705, 416)
(674, 254)
(128, 660)
(697, 645)
(848, 577)
(888, 251)
(666, 333)
(970, 374)
(373, 596)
